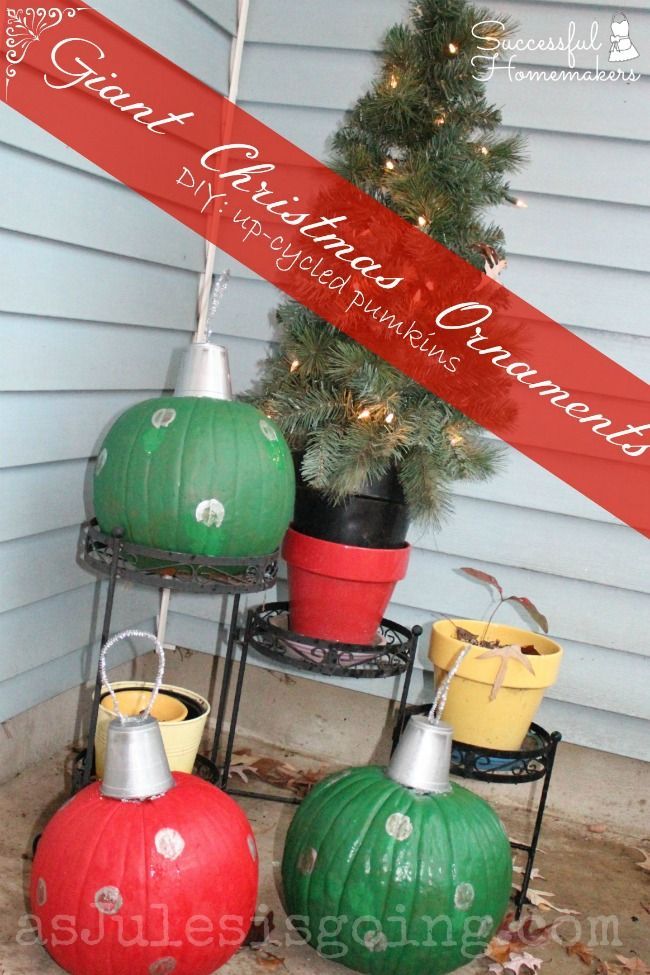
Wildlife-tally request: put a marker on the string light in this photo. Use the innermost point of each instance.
(484, 150)
(517, 202)
(393, 81)
(364, 415)
(389, 165)
(440, 119)
(456, 439)
(294, 365)
(390, 417)
(422, 222)
(453, 48)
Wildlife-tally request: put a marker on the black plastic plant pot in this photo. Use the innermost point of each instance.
(359, 521)
(376, 517)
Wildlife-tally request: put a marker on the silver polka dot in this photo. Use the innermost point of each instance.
(375, 941)
(252, 846)
(163, 418)
(169, 844)
(108, 900)
(307, 861)
(269, 432)
(399, 826)
(41, 892)
(464, 897)
(165, 966)
(486, 925)
(101, 460)
(210, 513)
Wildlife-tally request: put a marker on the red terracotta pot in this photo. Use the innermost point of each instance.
(340, 592)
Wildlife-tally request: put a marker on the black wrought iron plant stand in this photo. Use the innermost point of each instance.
(267, 633)
(533, 761)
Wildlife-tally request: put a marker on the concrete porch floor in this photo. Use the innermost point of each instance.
(593, 873)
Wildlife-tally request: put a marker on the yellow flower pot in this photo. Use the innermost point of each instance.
(501, 723)
(181, 735)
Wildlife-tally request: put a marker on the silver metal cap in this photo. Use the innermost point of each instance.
(136, 765)
(423, 756)
(205, 371)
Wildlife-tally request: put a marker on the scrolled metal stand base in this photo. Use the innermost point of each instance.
(119, 559)
(267, 634)
(533, 761)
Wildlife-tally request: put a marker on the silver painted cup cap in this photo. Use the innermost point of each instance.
(423, 756)
(136, 765)
(205, 371)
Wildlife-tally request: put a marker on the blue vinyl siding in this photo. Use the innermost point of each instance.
(97, 301)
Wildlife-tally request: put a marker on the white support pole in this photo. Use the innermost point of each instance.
(236, 56)
(163, 612)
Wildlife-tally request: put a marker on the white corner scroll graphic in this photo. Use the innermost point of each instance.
(24, 27)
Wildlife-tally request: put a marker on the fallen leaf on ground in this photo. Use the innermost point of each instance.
(513, 940)
(498, 950)
(596, 828)
(581, 951)
(603, 968)
(645, 863)
(516, 963)
(540, 899)
(633, 965)
(535, 874)
(266, 960)
(276, 772)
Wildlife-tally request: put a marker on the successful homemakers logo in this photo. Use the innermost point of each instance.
(504, 54)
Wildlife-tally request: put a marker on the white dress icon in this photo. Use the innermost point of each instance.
(622, 48)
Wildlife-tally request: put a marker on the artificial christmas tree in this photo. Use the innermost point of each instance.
(424, 142)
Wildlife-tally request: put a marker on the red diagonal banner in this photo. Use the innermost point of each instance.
(352, 261)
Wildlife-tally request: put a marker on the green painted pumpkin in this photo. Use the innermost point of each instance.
(197, 475)
(391, 881)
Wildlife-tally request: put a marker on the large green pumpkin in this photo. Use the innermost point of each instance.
(197, 475)
(390, 881)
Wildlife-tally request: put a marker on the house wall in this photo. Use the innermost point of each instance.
(98, 295)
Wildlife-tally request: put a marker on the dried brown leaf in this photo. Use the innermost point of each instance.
(498, 950)
(518, 962)
(581, 951)
(541, 899)
(596, 828)
(266, 960)
(277, 773)
(482, 577)
(531, 609)
(645, 863)
(635, 964)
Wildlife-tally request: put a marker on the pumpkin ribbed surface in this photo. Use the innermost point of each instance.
(197, 475)
(163, 886)
(389, 881)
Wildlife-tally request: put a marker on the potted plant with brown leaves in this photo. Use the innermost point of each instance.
(500, 675)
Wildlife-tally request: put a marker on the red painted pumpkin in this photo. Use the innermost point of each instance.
(153, 887)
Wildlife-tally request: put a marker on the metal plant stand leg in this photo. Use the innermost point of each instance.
(106, 629)
(234, 714)
(531, 849)
(225, 680)
(401, 714)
